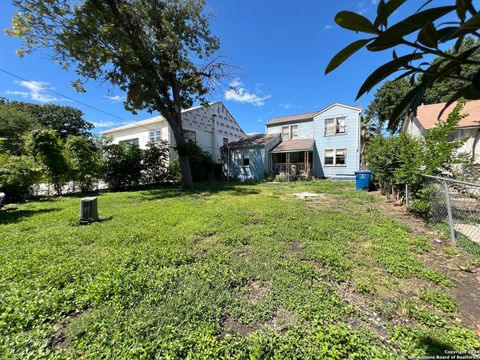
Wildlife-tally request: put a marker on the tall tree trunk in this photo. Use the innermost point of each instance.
(183, 157)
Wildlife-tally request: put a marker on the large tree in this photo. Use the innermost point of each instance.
(13, 126)
(160, 52)
(412, 41)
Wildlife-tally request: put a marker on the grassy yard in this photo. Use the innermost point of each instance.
(232, 271)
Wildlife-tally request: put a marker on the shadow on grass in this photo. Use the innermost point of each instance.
(12, 215)
(434, 347)
(201, 189)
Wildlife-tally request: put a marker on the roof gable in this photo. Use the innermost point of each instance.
(309, 115)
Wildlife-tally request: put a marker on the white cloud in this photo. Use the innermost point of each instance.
(115, 99)
(286, 106)
(37, 91)
(103, 124)
(237, 92)
(328, 27)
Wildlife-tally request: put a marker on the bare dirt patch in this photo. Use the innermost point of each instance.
(59, 340)
(256, 291)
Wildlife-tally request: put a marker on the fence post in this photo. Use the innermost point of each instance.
(407, 196)
(449, 211)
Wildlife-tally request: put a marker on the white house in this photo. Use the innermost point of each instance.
(426, 118)
(210, 126)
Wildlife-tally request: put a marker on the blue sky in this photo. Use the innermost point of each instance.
(279, 49)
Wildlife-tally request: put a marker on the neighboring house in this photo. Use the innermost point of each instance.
(210, 127)
(426, 118)
(323, 143)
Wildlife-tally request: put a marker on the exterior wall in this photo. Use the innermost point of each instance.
(258, 163)
(472, 145)
(412, 127)
(209, 135)
(349, 141)
(305, 129)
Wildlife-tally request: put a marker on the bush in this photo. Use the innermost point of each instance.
(17, 176)
(45, 147)
(155, 163)
(201, 163)
(84, 161)
(123, 166)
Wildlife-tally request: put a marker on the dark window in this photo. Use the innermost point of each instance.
(340, 157)
(225, 141)
(329, 157)
(130, 141)
(245, 160)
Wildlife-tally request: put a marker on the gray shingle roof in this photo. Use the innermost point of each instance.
(294, 145)
(253, 140)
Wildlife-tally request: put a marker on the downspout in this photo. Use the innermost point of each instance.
(214, 134)
(475, 143)
(358, 139)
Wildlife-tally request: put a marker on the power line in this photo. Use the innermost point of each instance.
(62, 95)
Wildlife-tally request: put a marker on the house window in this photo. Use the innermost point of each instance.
(452, 136)
(289, 132)
(335, 157)
(129, 141)
(329, 157)
(154, 135)
(225, 141)
(340, 157)
(243, 160)
(190, 136)
(335, 126)
(293, 131)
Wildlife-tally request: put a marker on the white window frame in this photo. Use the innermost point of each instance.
(334, 158)
(289, 132)
(336, 126)
(154, 135)
(242, 158)
(187, 133)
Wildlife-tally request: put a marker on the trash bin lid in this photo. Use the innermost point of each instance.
(364, 172)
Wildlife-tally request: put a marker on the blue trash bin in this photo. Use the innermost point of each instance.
(362, 179)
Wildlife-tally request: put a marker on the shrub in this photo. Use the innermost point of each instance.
(122, 167)
(84, 161)
(45, 147)
(155, 162)
(17, 176)
(201, 163)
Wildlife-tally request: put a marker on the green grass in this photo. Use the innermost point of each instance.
(230, 271)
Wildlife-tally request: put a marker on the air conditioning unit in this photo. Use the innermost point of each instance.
(88, 210)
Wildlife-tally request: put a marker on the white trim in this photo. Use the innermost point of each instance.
(334, 158)
(338, 104)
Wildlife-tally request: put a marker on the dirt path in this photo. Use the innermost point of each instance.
(465, 279)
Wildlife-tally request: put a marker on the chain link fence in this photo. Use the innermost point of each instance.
(455, 204)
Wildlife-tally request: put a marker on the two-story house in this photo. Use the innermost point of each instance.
(211, 127)
(318, 144)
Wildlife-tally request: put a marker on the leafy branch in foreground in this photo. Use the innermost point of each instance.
(422, 33)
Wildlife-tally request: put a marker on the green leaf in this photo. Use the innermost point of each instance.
(467, 92)
(393, 35)
(344, 54)
(447, 33)
(473, 23)
(428, 35)
(408, 100)
(385, 10)
(461, 9)
(353, 21)
(384, 71)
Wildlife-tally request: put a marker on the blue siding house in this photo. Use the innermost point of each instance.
(324, 143)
